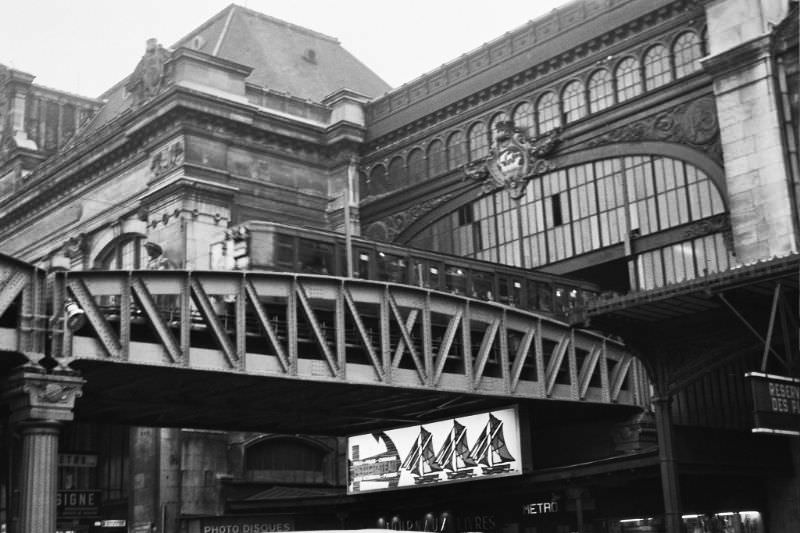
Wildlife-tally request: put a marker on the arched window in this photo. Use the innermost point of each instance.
(573, 101)
(548, 112)
(525, 119)
(629, 79)
(397, 173)
(416, 165)
(499, 117)
(587, 207)
(377, 180)
(657, 71)
(686, 52)
(437, 159)
(125, 253)
(286, 459)
(601, 91)
(456, 150)
(478, 141)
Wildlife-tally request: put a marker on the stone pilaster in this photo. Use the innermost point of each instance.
(757, 176)
(39, 402)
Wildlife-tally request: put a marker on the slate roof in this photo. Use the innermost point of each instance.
(284, 57)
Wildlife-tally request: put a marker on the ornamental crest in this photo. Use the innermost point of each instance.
(513, 160)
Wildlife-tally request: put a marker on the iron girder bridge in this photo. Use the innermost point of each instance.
(290, 352)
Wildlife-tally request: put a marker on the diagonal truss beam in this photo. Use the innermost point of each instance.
(447, 342)
(300, 293)
(11, 289)
(406, 337)
(484, 350)
(266, 325)
(148, 305)
(555, 362)
(209, 314)
(107, 337)
(366, 340)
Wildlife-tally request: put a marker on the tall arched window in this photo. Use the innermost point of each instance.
(499, 117)
(377, 180)
(594, 205)
(416, 166)
(437, 159)
(548, 112)
(601, 91)
(574, 102)
(657, 71)
(629, 79)
(456, 150)
(525, 119)
(478, 141)
(397, 173)
(686, 53)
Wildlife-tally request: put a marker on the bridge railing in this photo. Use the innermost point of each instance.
(335, 329)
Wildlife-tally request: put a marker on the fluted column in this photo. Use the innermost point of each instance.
(39, 402)
(39, 476)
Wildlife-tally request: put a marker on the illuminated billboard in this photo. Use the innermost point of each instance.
(456, 449)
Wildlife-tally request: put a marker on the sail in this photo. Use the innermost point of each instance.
(421, 454)
(498, 441)
(491, 442)
(454, 453)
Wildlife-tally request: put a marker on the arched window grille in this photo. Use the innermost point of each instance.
(629, 79)
(478, 141)
(456, 150)
(416, 165)
(601, 91)
(590, 206)
(499, 117)
(686, 53)
(397, 173)
(284, 454)
(525, 119)
(549, 114)
(657, 71)
(574, 102)
(437, 158)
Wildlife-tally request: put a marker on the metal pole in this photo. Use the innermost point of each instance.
(348, 232)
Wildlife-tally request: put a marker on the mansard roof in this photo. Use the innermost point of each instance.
(284, 57)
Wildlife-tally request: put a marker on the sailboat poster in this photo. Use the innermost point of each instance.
(456, 449)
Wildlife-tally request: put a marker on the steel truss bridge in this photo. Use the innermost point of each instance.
(284, 352)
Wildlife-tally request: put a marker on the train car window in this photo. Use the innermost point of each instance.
(455, 279)
(426, 274)
(361, 264)
(391, 267)
(509, 291)
(315, 257)
(540, 296)
(566, 298)
(284, 251)
(482, 285)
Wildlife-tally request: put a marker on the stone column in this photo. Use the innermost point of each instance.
(669, 465)
(39, 403)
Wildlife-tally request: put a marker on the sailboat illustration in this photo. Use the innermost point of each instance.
(490, 450)
(454, 455)
(421, 461)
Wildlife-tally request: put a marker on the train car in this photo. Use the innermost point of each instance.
(260, 245)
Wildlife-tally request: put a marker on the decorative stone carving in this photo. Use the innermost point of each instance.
(391, 226)
(167, 158)
(513, 160)
(35, 395)
(76, 246)
(694, 123)
(636, 434)
(148, 78)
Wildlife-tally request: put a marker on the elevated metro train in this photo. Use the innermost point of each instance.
(260, 245)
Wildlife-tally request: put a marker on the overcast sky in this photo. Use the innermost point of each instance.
(85, 46)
